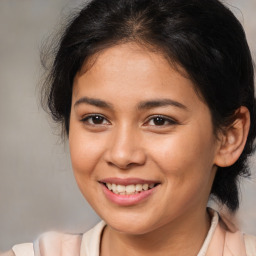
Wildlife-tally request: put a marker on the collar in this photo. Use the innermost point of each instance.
(223, 239)
(226, 239)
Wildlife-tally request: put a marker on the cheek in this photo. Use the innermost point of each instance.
(85, 154)
(187, 153)
(187, 168)
(84, 150)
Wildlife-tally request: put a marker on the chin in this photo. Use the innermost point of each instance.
(132, 224)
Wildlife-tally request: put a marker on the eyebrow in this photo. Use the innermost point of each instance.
(160, 103)
(94, 102)
(142, 105)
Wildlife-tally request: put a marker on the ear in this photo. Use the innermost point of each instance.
(233, 139)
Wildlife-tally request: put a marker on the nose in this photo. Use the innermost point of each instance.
(125, 149)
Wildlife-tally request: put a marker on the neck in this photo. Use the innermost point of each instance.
(182, 237)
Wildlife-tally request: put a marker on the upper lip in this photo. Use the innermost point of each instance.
(127, 181)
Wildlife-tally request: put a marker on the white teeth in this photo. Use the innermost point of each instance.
(138, 187)
(120, 188)
(145, 186)
(113, 187)
(129, 189)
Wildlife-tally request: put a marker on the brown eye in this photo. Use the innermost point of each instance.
(159, 121)
(95, 120)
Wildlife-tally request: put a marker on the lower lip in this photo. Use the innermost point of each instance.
(128, 200)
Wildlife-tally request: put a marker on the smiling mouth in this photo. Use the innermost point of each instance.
(131, 189)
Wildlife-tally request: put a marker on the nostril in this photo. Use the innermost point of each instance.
(122, 166)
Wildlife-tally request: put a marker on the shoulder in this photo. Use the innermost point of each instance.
(9, 253)
(238, 240)
(23, 249)
(250, 244)
(20, 250)
(56, 243)
(227, 239)
(50, 243)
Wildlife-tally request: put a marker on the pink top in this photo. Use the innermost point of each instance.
(223, 239)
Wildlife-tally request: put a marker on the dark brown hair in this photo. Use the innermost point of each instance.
(203, 36)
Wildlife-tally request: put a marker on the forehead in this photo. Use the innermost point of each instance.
(132, 68)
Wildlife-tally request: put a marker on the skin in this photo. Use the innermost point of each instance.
(181, 153)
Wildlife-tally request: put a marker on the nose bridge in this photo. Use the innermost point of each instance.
(125, 149)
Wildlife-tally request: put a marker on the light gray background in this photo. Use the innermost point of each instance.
(37, 188)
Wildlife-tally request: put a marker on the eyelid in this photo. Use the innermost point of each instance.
(171, 121)
(85, 118)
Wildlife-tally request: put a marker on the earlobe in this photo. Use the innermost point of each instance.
(233, 139)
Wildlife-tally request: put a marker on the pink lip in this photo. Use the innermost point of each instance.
(128, 200)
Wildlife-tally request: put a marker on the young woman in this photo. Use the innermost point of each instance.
(156, 98)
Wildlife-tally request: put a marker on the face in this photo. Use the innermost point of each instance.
(141, 140)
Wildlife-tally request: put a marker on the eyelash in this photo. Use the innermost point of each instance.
(88, 117)
(164, 121)
(167, 120)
